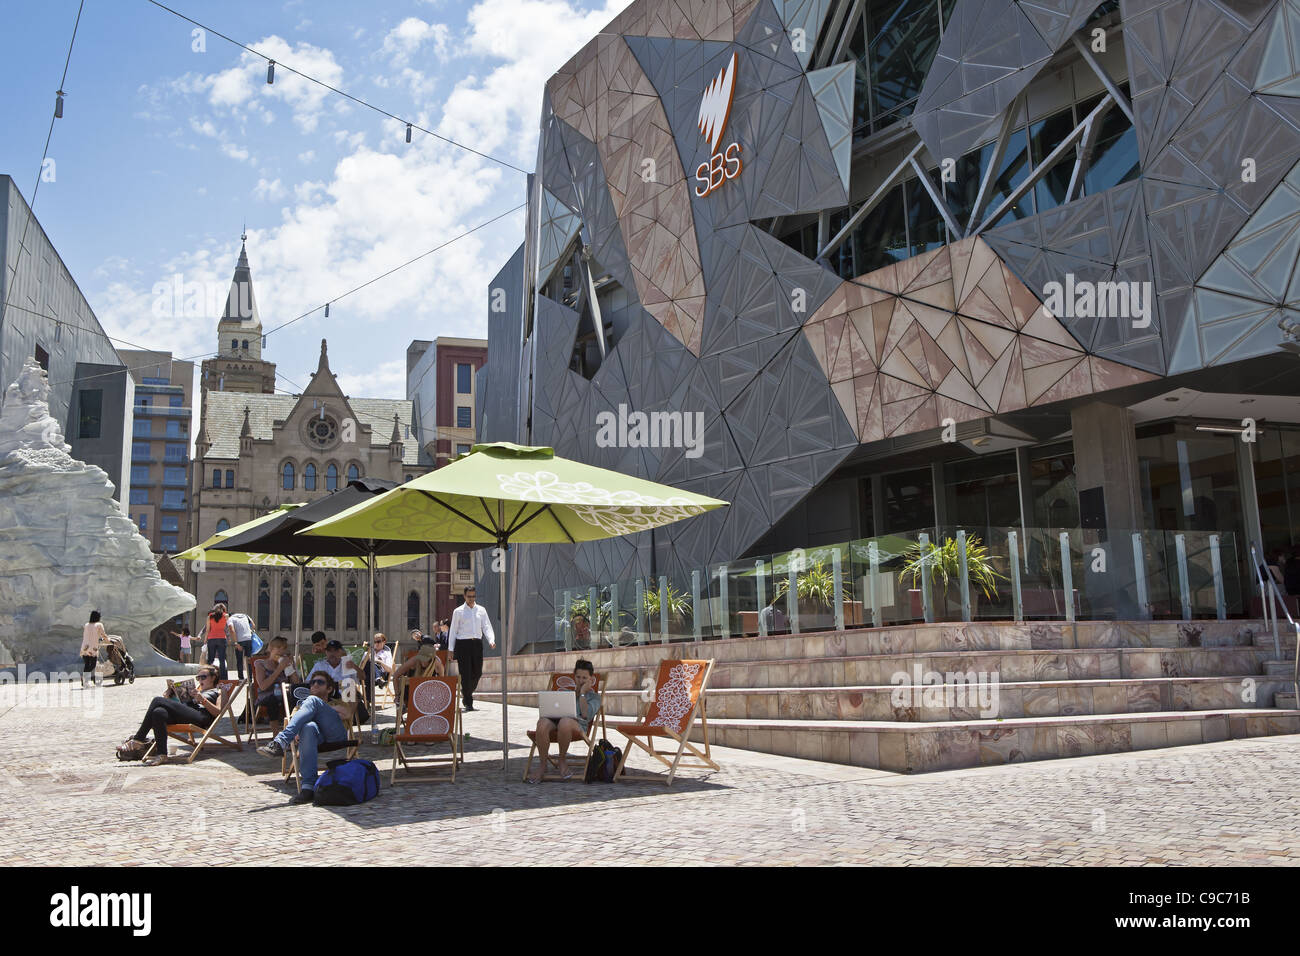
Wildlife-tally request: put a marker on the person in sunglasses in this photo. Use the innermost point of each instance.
(314, 722)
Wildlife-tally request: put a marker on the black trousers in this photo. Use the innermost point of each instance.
(167, 710)
(242, 649)
(217, 651)
(469, 661)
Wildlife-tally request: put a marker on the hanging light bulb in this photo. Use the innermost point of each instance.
(408, 132)
(264, 341)
(58, 109)
(327, 310)
(270, 72)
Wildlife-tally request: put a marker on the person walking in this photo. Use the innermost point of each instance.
(92, 634)
(243, 628)
(469, 625)
(215, 633)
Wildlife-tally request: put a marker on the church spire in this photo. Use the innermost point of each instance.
(241, 305)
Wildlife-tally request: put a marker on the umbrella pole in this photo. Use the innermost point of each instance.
(370, 614)
(297, 611)
(505, 650)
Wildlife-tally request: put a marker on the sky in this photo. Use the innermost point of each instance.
(171, 143)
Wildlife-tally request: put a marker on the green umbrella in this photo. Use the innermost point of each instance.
(502, 493)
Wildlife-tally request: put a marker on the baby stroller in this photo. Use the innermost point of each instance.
(119, 660)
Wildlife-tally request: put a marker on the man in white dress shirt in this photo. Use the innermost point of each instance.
(469, 625)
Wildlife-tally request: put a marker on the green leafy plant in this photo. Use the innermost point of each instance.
(816, 586)
(944, 565)
(679, 604)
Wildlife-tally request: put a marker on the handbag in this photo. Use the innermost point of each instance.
(257, 644)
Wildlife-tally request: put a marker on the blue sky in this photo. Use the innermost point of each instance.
(164, 152)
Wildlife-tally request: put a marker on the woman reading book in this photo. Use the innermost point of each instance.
(196, 702)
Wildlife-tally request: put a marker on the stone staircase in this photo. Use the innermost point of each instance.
(943, 696)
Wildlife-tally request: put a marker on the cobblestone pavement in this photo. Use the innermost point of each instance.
(64, 799)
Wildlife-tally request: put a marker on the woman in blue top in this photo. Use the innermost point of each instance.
(568, 728)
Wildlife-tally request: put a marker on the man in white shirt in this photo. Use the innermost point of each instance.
(243, 628)
(469, 625)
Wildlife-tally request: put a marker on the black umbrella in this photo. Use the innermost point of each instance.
(280, 536)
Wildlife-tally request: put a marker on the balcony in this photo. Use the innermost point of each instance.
(155, 410)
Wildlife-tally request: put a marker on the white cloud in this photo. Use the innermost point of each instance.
(387, 380)
(268, 190)
(412, 35)
(243, 87)
(307, 157)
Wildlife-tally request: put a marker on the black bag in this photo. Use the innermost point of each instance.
(602, 763)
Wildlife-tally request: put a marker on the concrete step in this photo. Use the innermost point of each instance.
(1071, 664)
(925, 747)
(956, 638)
(1285, 700)
(989, 701)
(1279, 668)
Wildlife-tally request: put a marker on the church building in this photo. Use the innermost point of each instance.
(257, 449)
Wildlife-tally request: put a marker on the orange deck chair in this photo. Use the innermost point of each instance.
(199, 737)
(289, 762)
(679, 696)
(432, 717)
(561, 680)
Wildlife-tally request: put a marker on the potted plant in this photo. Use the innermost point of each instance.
(815, 589)
(679, 609)
(943, 563)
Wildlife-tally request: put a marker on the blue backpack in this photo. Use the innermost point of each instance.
(347, 782)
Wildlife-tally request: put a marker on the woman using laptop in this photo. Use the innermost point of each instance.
(567, 729)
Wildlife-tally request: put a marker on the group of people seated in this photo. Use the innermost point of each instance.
(316, 719)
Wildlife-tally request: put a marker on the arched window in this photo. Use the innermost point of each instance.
(245, 345)
(309, 604)
(332, 478)
(351, 604)
(412, 611)
(286, 604)
(234, 344)
(220, 598)
(286, 476)
(353, 473)
(331, 606)
(264, 605)
(223, 525)
(216, 477)
(309, 476)
(230, 477)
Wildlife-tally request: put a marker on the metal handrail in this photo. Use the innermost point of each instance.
(1275, 594)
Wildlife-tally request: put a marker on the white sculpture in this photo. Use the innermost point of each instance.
(66, 547)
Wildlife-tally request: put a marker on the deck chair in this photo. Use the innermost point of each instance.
(679, 695)
(307, 661)
(251, 710)
(385, 695)
(432, 717)
(289, 762)
(561, 680)
(199, 737)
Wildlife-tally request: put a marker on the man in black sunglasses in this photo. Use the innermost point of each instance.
(313, 723)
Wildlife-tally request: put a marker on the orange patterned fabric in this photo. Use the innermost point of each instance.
(561, 680)
(431, 714)
(677, 691)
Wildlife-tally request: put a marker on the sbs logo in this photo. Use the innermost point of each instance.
(715, 109)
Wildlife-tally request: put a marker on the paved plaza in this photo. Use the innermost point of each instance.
(65, 799)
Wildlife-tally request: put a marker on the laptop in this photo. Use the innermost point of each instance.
(557, 703)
